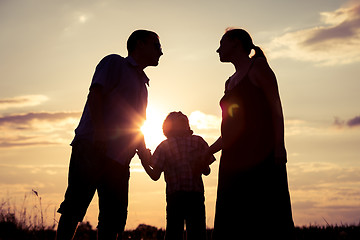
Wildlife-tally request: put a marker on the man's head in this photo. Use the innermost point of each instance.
(144, 46)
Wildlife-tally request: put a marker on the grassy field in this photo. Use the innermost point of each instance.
(24, 224)
(12, 229)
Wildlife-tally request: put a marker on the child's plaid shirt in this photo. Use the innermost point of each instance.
(177, 157)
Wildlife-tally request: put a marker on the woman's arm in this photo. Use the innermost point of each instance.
(208, 157)
(216, 146)
(262, 76)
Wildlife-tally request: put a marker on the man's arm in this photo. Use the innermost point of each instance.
(142, 151)
(95, 101)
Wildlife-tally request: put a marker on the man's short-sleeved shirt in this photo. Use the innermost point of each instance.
(177, 157)
(124, 89)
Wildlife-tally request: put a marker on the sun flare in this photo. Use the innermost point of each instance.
(152, 128)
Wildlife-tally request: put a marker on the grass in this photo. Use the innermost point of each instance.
(27, 224)
(24, 224)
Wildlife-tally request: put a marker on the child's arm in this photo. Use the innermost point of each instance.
(203, 161)
(208, 156)
(204, 156)
(206, 161)
(152, 172)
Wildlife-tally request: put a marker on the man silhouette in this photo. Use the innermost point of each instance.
(107, 138)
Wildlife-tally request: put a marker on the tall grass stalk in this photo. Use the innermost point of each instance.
(29, 217)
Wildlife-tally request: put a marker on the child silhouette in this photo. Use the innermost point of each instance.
(180, 158)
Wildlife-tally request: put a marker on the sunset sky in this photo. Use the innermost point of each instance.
(49, 50)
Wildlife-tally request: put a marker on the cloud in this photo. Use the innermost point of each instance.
(51, 128)
(353, 122)
(37, 128)
(335, 41)
(22, 101)
(296, 127)
(205, 125)
(324, 190)
(201, 120)
(28, 118)
(209, 126)
(299, 127)
(21, 173)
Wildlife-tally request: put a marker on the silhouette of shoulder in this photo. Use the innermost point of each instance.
(111, 58)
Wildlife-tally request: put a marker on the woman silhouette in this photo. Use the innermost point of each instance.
(253, 197)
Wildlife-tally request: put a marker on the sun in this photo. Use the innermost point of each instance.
(152, 128)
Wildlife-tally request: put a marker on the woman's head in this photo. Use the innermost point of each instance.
(242, 36)
(176, 124)
(235, 38)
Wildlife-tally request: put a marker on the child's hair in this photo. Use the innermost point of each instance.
(176, 124)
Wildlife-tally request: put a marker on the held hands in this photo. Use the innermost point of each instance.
(203, 162)
(145, 156)
(208, 157)
(143, 152)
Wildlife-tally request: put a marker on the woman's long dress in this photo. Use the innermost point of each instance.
(253, 198)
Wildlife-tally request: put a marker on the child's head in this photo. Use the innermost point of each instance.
(176, 124)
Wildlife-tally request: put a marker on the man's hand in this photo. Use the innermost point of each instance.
(144, 155)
